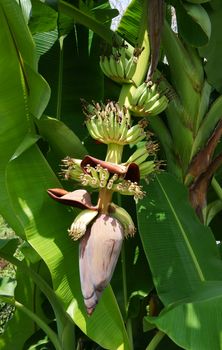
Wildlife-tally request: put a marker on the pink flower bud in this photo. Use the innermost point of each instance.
(99, 251)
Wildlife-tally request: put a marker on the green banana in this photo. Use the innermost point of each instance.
(138, 155)
(79, 225)
(120, 68)
(131, 67)
(93, 128)
(124, 218)
(149, 103)
(159, 106)
(113, 68)
(147, 168)
(143, 97)
(138, 132)
(105, 66)
(135, 97)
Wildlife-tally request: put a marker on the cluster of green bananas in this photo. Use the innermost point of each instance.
(111, 124)
(147, 100)
(140, 157)
(118, 67)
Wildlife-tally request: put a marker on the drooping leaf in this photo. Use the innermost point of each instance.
(13, 106)
(194, 323)
(62, 140)
(213, 52)
(44, 41)
(28, 141)
(193, 23)
(43, 18)
(130, 22)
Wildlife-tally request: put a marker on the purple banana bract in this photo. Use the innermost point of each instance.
(98, 254)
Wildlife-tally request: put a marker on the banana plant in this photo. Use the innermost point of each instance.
(107, 135)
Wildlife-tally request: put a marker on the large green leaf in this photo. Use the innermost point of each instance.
(196, 323)
(185, 264)
(14, 44)
(177, 245)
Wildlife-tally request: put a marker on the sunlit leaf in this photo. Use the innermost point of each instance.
(171, 235)
(194, 323)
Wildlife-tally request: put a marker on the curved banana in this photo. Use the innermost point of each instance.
(136, 96)
(80, 223)
(142, 99)
(124, 218)
(131, 67)
(120, 68)
(105, 66)
(158, 106)
(113, 68)
(150, 102)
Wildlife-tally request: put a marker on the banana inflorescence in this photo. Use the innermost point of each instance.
(118, 67)
(147, 100)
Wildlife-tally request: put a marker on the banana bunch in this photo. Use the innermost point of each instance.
(140, 156)
(147, 101)
(118, 67)
(111, 124)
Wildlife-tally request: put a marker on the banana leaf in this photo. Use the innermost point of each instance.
(194, 24)
(185, 263)
(176, 244)
(196, 323)
(212, 51)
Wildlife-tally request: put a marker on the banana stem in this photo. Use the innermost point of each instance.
(125, 295)
(114, 153)
(124, 281)
(59, 93)
(155, 341)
